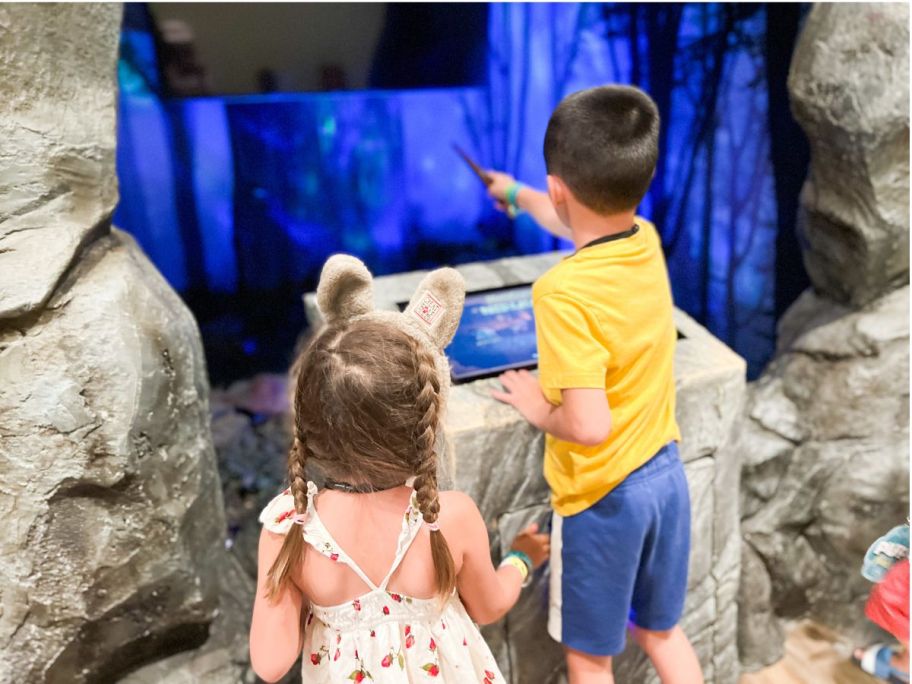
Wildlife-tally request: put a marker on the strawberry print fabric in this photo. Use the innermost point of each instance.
(383, 637)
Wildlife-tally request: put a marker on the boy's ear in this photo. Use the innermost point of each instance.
(436, 306)
(557, 191)
(346, 289)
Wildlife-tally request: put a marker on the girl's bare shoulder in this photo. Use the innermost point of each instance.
(456, 507)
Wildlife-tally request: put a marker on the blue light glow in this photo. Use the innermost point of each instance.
(281, 181)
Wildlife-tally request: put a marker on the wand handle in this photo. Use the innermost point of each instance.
(482, 176)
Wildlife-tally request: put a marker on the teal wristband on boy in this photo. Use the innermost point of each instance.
(510, 196)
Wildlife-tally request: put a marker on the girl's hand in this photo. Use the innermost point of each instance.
(536, 545)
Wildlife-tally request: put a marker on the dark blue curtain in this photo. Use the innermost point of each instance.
(713, 197)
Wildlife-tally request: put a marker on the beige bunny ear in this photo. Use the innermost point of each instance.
(346, 289)
(436, 306)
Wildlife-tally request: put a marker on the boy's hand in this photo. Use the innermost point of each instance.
(583, 416)
(498, 188)
(535, 545)
(525, 395)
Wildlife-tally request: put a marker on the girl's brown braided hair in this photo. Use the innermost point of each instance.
(367, 406)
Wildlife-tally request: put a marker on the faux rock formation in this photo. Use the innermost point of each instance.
(115, 523)
(251, 432)
(57, 123)
(825, 445)
(497, 458)
(112, 548)
(849, 85)
(223, 659)
(825, 435)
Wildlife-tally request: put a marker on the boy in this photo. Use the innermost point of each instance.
(605, 395)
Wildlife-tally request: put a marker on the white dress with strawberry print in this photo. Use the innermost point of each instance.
(382, 637)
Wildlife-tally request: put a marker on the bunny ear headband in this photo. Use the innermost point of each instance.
(346, 293)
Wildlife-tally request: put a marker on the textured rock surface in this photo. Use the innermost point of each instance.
(849, 85)
(825, 436)
(112, 550)
(251, 434)
(497, 458)
(224, 657)
(57, 123)
(825, 446)
(109, 478)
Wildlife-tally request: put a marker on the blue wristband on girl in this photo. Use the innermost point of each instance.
(524, 557)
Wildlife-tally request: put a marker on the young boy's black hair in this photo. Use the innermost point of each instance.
(603, 143)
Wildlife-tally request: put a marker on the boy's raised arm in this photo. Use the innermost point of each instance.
(535, 202)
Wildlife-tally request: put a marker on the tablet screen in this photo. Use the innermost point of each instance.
(496, 333)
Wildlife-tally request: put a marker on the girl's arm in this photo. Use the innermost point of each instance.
(275, 632)
(486, 592)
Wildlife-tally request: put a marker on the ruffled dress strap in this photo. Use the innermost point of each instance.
(279, 514)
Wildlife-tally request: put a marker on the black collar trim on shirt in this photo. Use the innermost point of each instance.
(630, 232)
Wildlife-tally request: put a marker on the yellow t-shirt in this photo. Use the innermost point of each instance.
(603, 319)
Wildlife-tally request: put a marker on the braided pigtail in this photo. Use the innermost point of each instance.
(428, 406)
(293, 547)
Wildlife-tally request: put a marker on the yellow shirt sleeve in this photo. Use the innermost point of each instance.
(572, 352)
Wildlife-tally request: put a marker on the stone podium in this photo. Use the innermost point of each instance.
(496, 457)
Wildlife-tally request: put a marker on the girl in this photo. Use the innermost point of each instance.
(378, 576)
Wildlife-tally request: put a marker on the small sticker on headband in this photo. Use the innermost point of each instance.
(428, 309)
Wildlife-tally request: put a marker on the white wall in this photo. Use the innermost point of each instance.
(235, 40)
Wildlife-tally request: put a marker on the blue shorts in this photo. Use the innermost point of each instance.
(622, 559)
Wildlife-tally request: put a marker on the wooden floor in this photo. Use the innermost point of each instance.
(813, 655)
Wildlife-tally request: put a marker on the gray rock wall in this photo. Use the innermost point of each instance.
(111, 551)
(825, 435)
(57, 123)
(825, 443)
(109, 476)
(849, 86)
